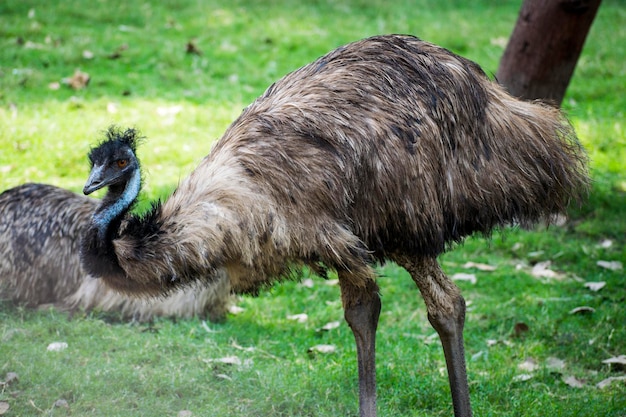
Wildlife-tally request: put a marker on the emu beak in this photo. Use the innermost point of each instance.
(95, 180)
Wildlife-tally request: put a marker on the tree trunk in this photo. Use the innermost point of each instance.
(542, 52)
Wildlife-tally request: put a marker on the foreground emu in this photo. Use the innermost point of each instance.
(40, 229)
(389, 148)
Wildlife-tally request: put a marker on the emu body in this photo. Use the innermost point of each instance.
(389, 148)
(40, 230)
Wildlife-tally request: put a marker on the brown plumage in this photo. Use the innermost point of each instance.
(40, 231)
(389, 148)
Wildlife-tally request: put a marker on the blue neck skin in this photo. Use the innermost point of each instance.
(104, 218)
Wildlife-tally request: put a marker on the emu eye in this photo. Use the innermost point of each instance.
(122, 163)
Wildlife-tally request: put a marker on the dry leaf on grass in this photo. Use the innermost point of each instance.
(461, 276)
(192, 48)
(10, 378)
(330, 326)
(322, 349)
(595, 286)
(542, 270)
(608, 381)
(61, 403)
(56, 346)
(4, 407)
(582, 310)
(520, 329)
(612, 265)
(300, 318)
(529, 365)
(77, 81)
(555, 364)
(228, 360)
(618, 361)
(184, 413)
(573, 382)
(479, 266)
(522, 377)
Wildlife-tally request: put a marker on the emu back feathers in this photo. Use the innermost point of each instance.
(387, 146)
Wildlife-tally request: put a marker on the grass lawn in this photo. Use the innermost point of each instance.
(181, 71)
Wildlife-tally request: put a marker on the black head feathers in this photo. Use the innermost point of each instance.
(115, 139)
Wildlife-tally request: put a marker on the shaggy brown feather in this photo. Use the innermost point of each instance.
(387, 145)
(386, 148)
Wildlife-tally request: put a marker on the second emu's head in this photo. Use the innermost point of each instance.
(114, 164)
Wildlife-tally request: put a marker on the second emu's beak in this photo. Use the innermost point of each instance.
(95, 180)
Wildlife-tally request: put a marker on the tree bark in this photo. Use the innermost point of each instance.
(544, 47)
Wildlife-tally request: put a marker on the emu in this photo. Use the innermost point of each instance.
(40, 231)
(389, 148)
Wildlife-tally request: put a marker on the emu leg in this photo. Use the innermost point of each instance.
(361, 311)
(446, 313)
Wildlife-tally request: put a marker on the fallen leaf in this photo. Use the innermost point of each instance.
(77, 81)
(54, 85)
(542, 270)
(582, 310)
(573, 382)
(228, 360)
(616, 360)
(61, 403)
(461, 276)
(308, 283)
(192, 48)
(10, 378)
(87, 54)
(322, 349)
(529, 365)
(479, 266)
(4, 407)
(491, 342)
(595, 286)
(300, 318)
(606, 243)
(56, 346)
(330, 326)
(612, 265)
(184, 413)
(555, 364)
(520, 329)
(522, 377)
(608, 381)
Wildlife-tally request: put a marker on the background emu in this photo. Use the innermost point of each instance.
(386, 148)
(40, 231)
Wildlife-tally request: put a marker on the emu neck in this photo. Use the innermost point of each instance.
(115, 205)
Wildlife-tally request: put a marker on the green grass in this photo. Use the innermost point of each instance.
(183, 102)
